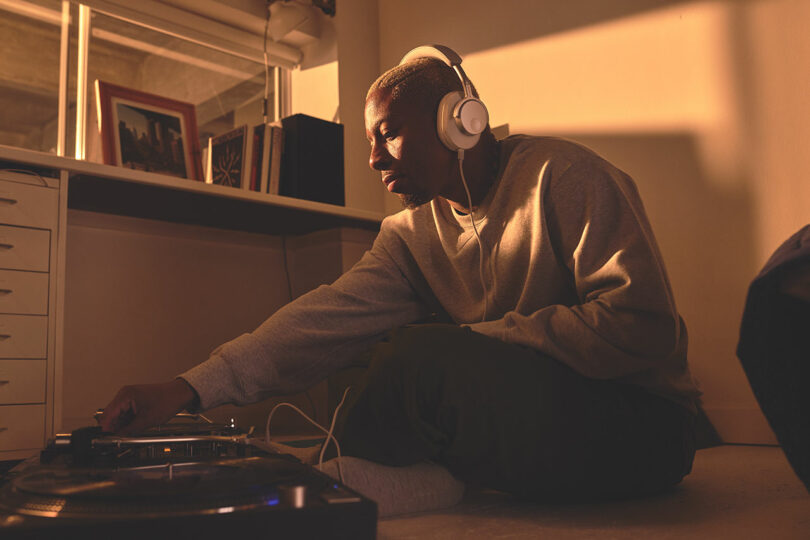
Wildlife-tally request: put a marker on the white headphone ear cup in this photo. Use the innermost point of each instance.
(471, 116)
(449, 132)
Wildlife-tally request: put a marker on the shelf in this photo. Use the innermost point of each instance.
(115, 190)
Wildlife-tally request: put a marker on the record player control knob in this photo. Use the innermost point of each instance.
(294, 496)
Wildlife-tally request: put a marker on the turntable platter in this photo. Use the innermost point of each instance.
(167, 490)
(177, 482)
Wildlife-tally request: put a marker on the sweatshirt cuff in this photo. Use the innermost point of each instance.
(202, 379)
(230, 373)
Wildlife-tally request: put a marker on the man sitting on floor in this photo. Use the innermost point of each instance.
(559, 371)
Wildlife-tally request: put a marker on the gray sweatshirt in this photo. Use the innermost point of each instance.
(571, 269)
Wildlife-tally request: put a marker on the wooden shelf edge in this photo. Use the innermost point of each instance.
(99, 170)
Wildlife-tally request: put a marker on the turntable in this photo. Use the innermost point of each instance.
(178, 481)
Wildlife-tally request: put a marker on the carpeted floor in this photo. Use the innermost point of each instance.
(734, 492)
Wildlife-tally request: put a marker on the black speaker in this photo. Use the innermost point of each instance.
(312, 159)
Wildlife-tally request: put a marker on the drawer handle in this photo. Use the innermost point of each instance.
(4, 382)
(3, 245)
(2, 429)
(4, 336)
(6, 200)
(6, 291)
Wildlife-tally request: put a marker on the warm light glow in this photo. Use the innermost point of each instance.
(316, 91)
(28, 9)
(64, 42)
(664, 70)
(81, 80)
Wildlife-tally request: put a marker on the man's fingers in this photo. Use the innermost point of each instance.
(119, 412)
(125, 417)
(136, 408)
(111, 419)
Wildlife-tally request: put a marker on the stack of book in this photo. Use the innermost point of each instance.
(246, 158)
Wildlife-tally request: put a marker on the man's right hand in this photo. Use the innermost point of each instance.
(141, 406)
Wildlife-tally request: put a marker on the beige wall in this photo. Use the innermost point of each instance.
(777, 48)
(353, 40)
(704, 103)
(358, 56)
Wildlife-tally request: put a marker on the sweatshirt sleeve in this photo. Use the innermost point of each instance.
(311, 337)
(624, 321)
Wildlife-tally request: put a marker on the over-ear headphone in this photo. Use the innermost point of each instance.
(462, 117)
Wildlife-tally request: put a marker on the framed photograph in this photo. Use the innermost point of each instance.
(148, 132)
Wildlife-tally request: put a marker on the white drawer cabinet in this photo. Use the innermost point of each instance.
(23, 336)
(28, 205)
(23, 248)
(22, 381)
(23, 293)
(29, 227)
(21, 427)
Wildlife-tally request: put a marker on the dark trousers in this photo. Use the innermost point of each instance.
(507, 417)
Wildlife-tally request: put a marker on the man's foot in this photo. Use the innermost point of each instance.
(398, 490)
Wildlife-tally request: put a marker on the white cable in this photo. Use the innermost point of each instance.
(329, 432)
(477, 236)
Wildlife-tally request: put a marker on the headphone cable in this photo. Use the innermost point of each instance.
(475, 232)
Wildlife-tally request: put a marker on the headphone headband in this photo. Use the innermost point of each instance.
(440, 52)
(462, 117)
(446, 55)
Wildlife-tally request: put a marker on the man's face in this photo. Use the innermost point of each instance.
(406, 149)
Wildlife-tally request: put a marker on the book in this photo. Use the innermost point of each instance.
(247, 163)
(227, 155)
(276, 151)
(206, 159)
(256, 158)
(265, 159)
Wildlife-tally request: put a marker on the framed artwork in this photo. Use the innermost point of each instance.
(229, 159)
(148, 132)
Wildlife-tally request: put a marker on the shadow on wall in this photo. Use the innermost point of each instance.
(698, 222)
(704, 231)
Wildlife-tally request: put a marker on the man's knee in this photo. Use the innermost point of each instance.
(401, 389)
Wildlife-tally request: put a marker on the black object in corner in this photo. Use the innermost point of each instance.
(312, 162)
(774, 348)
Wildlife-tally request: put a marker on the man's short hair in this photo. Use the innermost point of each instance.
(423, 81)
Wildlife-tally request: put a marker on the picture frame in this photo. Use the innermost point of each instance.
(229, 158)
(148, 132)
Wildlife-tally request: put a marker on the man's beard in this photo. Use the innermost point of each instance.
(412, 200)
